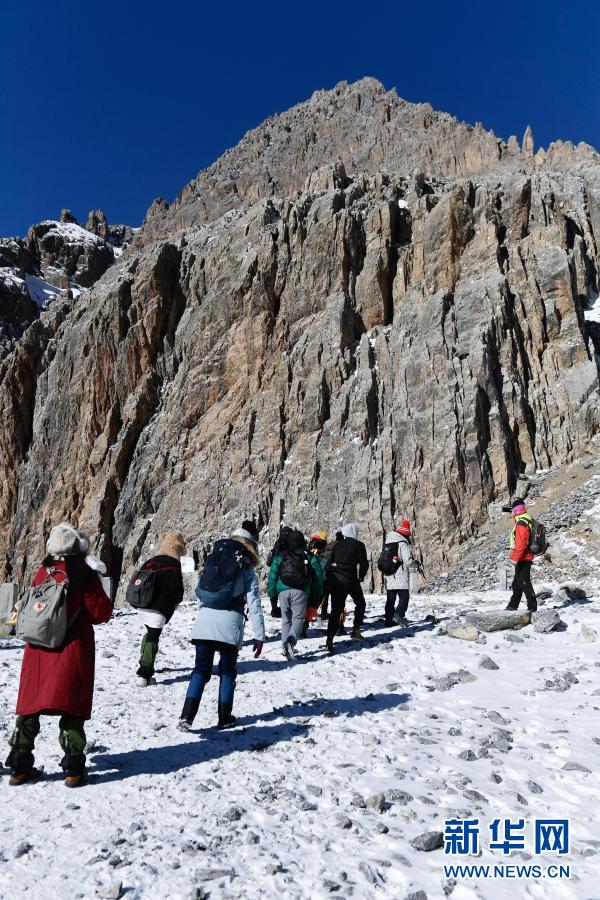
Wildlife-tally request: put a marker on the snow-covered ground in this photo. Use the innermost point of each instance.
(275, 808)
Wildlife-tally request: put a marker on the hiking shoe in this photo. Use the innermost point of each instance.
(512, 607)
(389, 623)
(76, 779)
(356, 635)
(184, 725)
(329, 647)
(288, 651)
(145, 682)
(230, 722)
(28, 777)
(276, 613)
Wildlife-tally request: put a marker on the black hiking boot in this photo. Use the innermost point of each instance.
(512, 606)
(329, 647)
(226, 720)
(188, 714)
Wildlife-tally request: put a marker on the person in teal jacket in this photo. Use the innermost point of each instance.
(295, 575)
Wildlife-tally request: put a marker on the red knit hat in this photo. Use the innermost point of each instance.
(404, 529)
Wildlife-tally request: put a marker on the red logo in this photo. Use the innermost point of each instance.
(137, 582)
(39, 607)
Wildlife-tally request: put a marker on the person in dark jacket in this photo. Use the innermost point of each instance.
(288, 569)
(279, 545)
(167, 597)
(321, 550)
(347, 568)
(521, 556)
(60, 682)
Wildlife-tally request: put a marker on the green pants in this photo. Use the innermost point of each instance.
(71, 738)
(148, 652)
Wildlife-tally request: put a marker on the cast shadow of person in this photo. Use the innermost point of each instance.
(108, 767)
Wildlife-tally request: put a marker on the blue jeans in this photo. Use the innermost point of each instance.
(205, 654)
(396, 594)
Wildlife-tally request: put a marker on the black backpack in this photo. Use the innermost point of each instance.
(538, 542)
(280, 544)
(220, 573)
(295, 568)
(390, 560)
(141, 590)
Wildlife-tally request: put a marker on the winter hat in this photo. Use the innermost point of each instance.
(245, 538)
(319, 536)
(172, 544)
(66, 540)
(296, 541)
(350, 531)
(249, 525)
(404, 529)
(518, 506)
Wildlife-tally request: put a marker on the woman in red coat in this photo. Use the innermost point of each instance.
(60, 682)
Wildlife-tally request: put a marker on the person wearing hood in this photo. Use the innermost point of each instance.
(219, 625)
(295, 576)
(397, 584)
(347, 568)
(167, 595)
(521, 556)
(60, 681)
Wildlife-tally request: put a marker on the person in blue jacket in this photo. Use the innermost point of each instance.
(222, 630)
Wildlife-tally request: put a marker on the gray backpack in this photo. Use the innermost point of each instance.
(42, 618)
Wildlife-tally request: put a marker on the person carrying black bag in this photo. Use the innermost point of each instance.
(347, 568)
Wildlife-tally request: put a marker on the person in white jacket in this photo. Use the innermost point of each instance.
(397, 585)
(220, 628)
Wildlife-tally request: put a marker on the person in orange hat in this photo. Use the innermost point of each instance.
(321, 550)
(398, 579)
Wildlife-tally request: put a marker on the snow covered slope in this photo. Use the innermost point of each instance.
(277, 808)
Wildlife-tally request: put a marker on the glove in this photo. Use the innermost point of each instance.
(258, 645)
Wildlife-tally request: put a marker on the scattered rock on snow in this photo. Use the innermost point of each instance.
(377, 801)
(447, 682)
(111, 891)
(534, 787)
(589, 635)
(572, 766)
(513, 639)
(467, 755)
(462, 631)
(498, 619)
(496, 718)
(545, 622)
(486, 662)
(395, 795)
(430, 840)
(343, 821)
(22, 849)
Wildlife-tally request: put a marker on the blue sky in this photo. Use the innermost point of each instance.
(112, 104)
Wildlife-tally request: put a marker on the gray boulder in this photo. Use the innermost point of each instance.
(462, 631)
(546, 621)
(498, 620)
(430, 840)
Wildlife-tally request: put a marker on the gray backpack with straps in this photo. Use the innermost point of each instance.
(42, 619)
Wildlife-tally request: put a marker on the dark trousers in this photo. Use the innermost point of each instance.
(399, 595)
(338, 593)
(522, 585)
(205, 654)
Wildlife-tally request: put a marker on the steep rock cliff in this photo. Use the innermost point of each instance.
(364, 346)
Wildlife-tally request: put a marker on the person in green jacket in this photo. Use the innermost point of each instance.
(295, 575)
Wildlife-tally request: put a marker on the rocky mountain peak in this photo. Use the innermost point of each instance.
(365, 311)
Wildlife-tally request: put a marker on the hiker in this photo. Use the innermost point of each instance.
(60, 681)
(347, 568)
(321, 550)
(227, 583)
(278, 546)
(295, 577)
(521, 556)
(396, 563)
(166, 595)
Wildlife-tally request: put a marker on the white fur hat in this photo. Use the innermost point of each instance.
(65, 540)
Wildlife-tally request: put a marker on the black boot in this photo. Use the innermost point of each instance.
(188, 713)
(226, 720)
(512, 606)
(275, 611)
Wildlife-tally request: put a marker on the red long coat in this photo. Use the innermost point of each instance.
(521, 551)
(55, 682)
